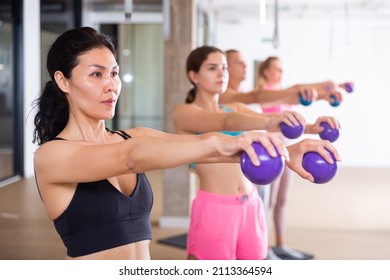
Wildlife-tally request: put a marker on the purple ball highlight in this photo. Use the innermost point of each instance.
(291, 132)
(321, 170)
(270, 168)
(329, 133)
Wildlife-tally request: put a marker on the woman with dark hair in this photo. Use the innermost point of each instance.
(91, 180)
(227, 215)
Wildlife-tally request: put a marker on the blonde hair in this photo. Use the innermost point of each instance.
(264, 65)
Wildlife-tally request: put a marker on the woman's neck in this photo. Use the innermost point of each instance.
(271, 86)
(208, 102)
(85, 131)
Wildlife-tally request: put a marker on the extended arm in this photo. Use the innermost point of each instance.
(270, 97)
(61, 162)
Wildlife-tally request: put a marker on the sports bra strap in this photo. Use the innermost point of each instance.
(121, 133)
(227, 109)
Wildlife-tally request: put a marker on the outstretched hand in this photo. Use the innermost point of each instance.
(317, 128)
(291, 118)
(307, 92)
(330, 92)
(298, 150)
(234, 146)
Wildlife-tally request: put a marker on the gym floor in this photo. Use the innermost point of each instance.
(346, 219)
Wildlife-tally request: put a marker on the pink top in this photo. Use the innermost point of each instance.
(278, 108)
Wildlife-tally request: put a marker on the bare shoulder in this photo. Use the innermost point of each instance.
(183, 107)
(50, 159)
(48, 148)
(51, 151)
(184, 110)
(143, 131)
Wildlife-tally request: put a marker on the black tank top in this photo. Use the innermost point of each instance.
(100, 217)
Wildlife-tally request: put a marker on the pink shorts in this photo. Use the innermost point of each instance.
(227, 227)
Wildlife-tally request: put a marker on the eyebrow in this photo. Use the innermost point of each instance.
(101, 66)
(214, 64)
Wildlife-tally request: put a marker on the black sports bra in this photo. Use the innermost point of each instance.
(100, 217)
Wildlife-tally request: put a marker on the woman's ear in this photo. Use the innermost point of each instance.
(193, 77)
(61, 80)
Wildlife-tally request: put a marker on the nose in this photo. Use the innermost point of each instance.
(222, 71)
(111, 84)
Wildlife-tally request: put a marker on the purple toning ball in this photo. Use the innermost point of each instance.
(303, 101)
(330, 134)
(291, 132)
(270, 167)
(333, 101)
(316, 165)
(348, 87)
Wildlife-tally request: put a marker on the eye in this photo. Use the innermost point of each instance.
(96, 74)
(114, 73)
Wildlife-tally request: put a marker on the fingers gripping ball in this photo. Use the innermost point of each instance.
(291, 132)
(316, 165)
(330, 134)
(303, 101)
(270, 167)
(333, 102)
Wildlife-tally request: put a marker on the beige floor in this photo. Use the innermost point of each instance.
(6, 163)
(345, 219)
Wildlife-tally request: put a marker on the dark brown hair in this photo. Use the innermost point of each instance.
(194, 62)
(53, 108)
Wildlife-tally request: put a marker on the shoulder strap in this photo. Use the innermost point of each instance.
(121, 133)
(227, 109)
(58, 138)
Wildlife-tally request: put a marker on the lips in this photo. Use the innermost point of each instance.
(109, 101)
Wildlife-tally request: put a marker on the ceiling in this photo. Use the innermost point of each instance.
(367, 9)
(234, 10)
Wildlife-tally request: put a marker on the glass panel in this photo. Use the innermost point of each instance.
(56, 18)
(140, 50)
(47, 38)
(6, 101)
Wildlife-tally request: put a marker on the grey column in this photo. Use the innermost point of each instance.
(181, 41)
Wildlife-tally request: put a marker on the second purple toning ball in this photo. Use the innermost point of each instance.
(321, 170)
(291, 132)
(330, 134)
(270, 167)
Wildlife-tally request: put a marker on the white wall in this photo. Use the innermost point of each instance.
(31, 72)
(313, 51)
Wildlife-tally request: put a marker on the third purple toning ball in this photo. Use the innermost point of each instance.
(330, 134)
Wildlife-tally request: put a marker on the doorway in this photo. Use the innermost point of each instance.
(140, 48)
(140, 56)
